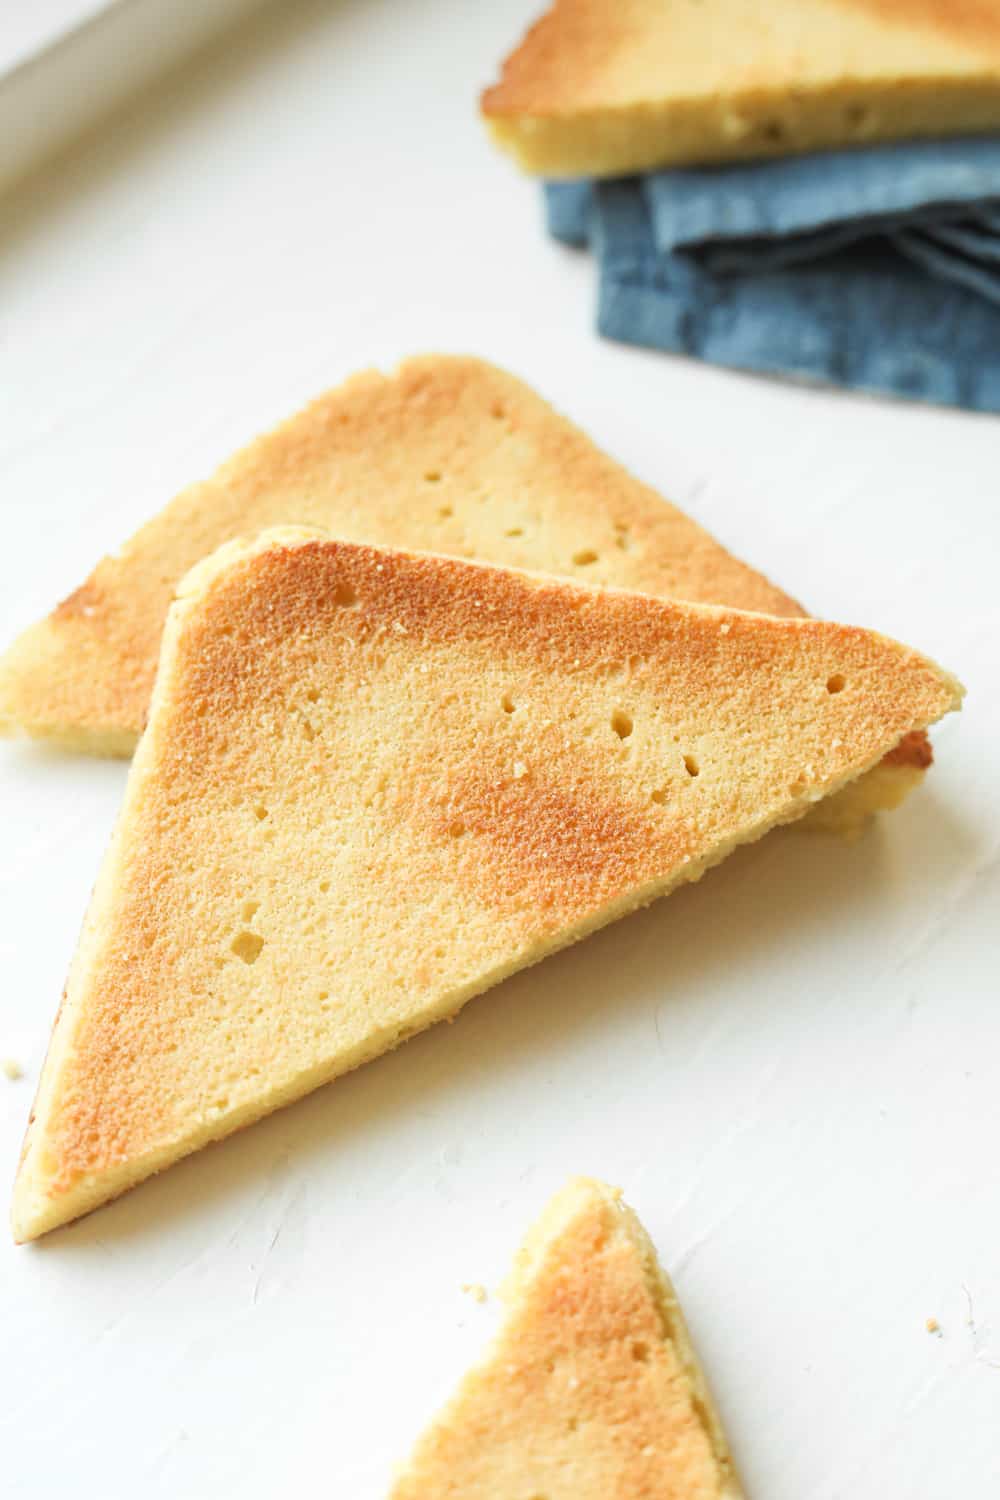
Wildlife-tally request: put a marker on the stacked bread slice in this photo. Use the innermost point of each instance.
(448, 455)
(374, 783)
(607, 87)
(422, 688)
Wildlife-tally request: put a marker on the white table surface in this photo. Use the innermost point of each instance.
(793, 1068)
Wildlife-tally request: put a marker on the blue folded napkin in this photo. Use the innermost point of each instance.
(875, 268)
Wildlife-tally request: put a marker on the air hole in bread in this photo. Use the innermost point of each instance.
(260, 812)
(345, 595)
(659, 796)
(324, 886)
(836, 683)
(433, 476)
(497, 412)
(445, 513)
(250, 910)
(456, 829)
(621, 723)
(247, 945)
(691, 766)
(507, 703)
(572, 1424)
(313, 695)
(514, 531)
(640, 1352)
(584, 557)
(308, 730)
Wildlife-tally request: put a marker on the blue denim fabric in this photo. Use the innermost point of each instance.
(877, 269)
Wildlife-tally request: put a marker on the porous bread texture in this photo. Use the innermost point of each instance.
(606, 87)
(374, 784)
(449, 455)
(592, 1387)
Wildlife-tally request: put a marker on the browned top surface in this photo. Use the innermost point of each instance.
(388, 777)
(584, 1395)
(589, 55)
(564, 56)
(971, 22)
(448, 455)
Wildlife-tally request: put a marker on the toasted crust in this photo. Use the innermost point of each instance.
(592, 1388)
(375, 783)
(449, 454)
(603, 87)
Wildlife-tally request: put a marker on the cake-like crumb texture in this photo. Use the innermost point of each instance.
(591, 1389)
(606, 87)
(326, 843)
(448, 455)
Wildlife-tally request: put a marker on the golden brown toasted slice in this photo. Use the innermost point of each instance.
(604, 87)
(592, 1388)
(375, 783)
(448, 455)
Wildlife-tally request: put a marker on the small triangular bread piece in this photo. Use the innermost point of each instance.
(375, 783)
(449, 454)
(607, 87)
(592, 1388)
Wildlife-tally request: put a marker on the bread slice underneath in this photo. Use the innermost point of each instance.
(607, 87)
(592, 1387)
(447, 455)
(375, 783)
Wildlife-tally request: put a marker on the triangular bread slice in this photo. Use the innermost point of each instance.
(592, 1387)
(447, 455)
(375, 783)
(607, 87)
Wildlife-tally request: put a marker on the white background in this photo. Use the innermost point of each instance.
(66, 64)
(793, 1068)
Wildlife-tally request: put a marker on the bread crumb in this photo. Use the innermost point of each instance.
(12, 1069)
(520, 769)
(475, 1289)
(933, 1326)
